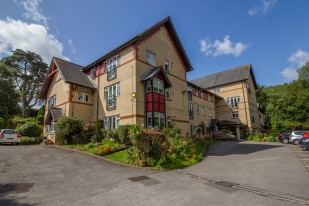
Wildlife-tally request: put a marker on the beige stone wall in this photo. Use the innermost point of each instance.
(161, 45)
(203, 110)
(126, 76)
(252, 102)
(59, 88)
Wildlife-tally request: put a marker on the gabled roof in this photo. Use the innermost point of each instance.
(153, 72)
(170, 27)
(53, 114)
(71, 73)
(226, 77)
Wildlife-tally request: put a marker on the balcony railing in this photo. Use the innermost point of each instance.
(111, 102)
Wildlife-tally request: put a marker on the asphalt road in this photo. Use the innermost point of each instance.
(233, 174)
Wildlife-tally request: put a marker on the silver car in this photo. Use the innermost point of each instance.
(9, 136)
(295, 136)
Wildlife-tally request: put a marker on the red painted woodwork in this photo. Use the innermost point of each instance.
(162, 98)
(162, 108)
(149, 97)
(155, 97)
(155, 107)
(160, 76)
(149, 107)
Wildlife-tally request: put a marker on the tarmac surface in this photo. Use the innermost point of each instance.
(233, 173)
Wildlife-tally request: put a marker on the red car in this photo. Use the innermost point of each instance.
(306, 135)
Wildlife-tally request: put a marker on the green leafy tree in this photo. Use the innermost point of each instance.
(27, 71)
(303, 72)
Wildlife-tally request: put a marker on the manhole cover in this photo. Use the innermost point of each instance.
(226, 184)
(139, 178)
(15, 188)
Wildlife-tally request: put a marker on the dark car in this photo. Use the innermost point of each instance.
(307, 146)
(302, 142)
(284, 137)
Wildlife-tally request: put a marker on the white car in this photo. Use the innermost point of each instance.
(295, 136)
(9, 136)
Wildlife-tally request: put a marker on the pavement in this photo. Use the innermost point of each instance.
(234, 173)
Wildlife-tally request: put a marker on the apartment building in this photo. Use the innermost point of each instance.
(236, 104)
(142, 81)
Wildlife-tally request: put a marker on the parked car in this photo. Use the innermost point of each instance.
(295, 136)
(284, 137)
(302, 142)
(9, 136)
(306, 135)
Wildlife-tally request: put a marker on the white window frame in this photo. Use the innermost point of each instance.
(112, 122)
(84, 96)
(148, 86)
(149, 119)
(191, 111)
(210, 112)
(52, 101)
(217, 90)
(191, 129)
(169, 121)
(158, 86)
(112, 90)
(111, 67)
(167, 65)
(233, 101)
(168, 93)
(151, 58)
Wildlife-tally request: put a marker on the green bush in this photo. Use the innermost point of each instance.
(28, 140)
(30, 129)
(17, 121)
(40, 119)
(99, 126)
(123, 134)
(67, 128)
(2, 123)
(88, 133)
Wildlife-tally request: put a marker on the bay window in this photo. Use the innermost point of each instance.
(111, 67)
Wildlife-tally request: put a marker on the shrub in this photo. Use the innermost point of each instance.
(40, 119)
(219, 135)
(67, 128)
(17, 121)
(87, 133)
(123, 134)
(28, 140)
(2, 123)
(99, 126)
(30, 129)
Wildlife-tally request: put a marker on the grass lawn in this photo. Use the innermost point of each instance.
(121, 156)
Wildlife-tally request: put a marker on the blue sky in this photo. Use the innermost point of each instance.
(217, 35)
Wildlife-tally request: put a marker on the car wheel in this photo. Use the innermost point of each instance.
(295, 141)
(285, 141)
(17, 143)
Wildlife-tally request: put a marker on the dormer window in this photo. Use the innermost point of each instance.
(217, 89)
(111, 67)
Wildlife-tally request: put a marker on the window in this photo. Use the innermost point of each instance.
(167, 66)
(210, 112)
(203, 111)
(111, 67)
(235, 115)
(248, 87)
(93, 72)
(112, 122)
(83, 96)
(233, 101)
(209, 97)
(148, 86)
(191, 111)
(149, 119)
(158, 119)
(196, 92)
(150, 58)
(52, 101)
(169, 121)
(198, 109)
(189, 90)
(158, 86)
(110, 94)
(167, 93)
(191, 129)
(217, 89)
(52, 126)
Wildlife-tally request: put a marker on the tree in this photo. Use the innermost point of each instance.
(27, 72)
(303, 72)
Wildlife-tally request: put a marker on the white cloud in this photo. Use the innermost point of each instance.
(299, 58)
(265, 6)
(70, 42)
(224, 47)
(289, 74)
(33, 11)
(15, 34)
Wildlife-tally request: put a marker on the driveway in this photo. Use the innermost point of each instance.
(57, 176)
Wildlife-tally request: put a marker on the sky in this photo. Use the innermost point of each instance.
(217, 35)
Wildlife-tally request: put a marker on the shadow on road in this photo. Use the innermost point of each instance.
(230, 148)
(12, 202)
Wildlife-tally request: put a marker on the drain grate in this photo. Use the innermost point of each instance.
(139, 178)
(14, 188)
(226, 184)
